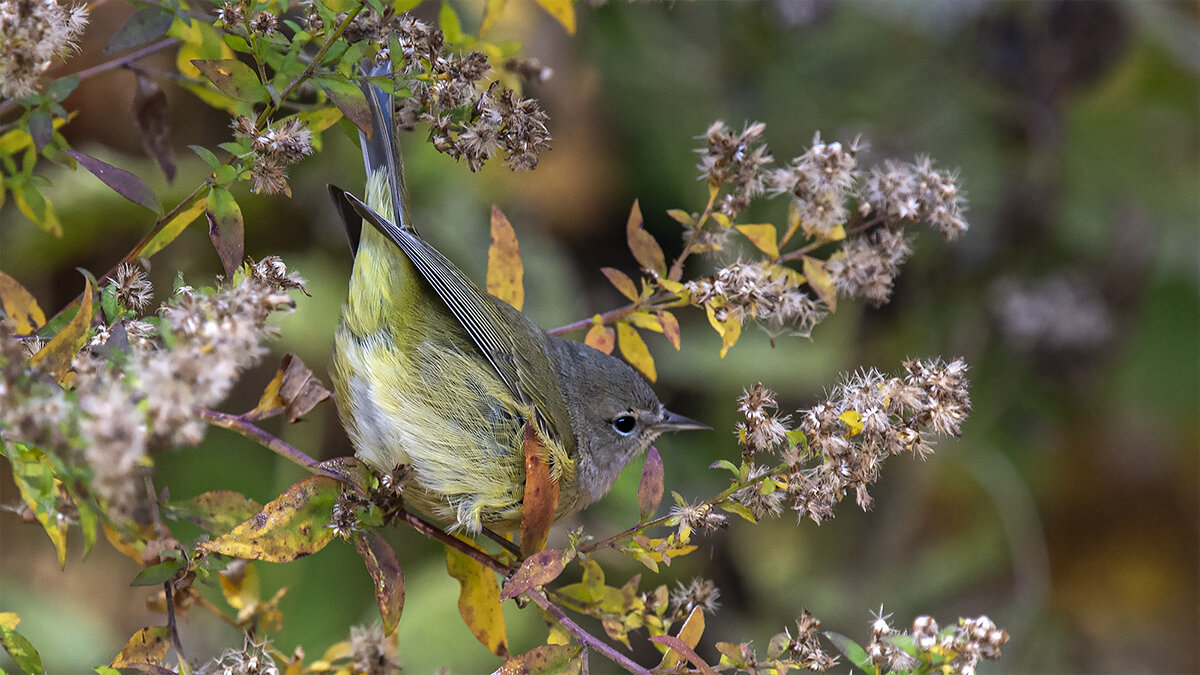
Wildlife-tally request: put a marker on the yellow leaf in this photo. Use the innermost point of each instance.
(56, 356)
(643, 245)
(646, 320)
(600, 337)
(40, 210)
(682, 217)
(291, 526)
(147, 646)
(9, 619)
(20, 305)
(762, 236)
(821, 281)
(723, 220)
(730, 329)
(671, 285)
(491, 14)
(670, 326)
(853, 421)
(563, 12)
(505, 273)
(239, 585)
(690, 634)
(793, 221)
(478, 600)
(176, 225)
(621, 282)
(634, 349)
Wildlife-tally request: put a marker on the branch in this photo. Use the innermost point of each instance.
(588, 640)
(434, 532)
(240, 425)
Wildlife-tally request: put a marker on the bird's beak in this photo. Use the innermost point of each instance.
(674, 422)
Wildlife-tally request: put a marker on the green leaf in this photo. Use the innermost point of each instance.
(216, 512)
(21, 651)
(349, 99)
(207, 155)
(449, 23)
(233, 78)
(157, 574)
(853, 652)
(226, 229)
(291, 526)
(36, 208)
(144, 25)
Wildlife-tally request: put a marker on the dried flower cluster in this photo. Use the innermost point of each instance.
(762, 291)
(274, 149)
(698, 592)
(32, 34)
(915, 192)
(133, 392)
(254, 658)
(865, 420)
(470, 119)
(737, 160)
(371, 652)
(867, 266)
(957, 651)
(820, 181)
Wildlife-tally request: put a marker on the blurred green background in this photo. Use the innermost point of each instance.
(1068, 511)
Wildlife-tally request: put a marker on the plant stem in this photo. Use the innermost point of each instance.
(589, 641)
(240, 425)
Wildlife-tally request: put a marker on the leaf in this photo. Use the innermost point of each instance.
(349, 99)
(174, 227)
(650, 489)
(600, 337)
(670, 328)
(634, 349)
(156, 575)
(852, 651)
(386, 574)
(226, 229)
(20, 650)
(545, 660)
(763, 237)
(821, 281)
(350, 471)
(642, 244)
(853, 422)
(793, 221)
(148, 645)
(124, 183)
(233, 78)
(563, 12)
(291, 526)
(293, 390)
(492, 10)
(149, 113)
(56, 356)
(682, 217)
(9, 619)
(478, 600)
(683, 646)
(538, 569)
(41, 128)
(730, 329)
(449, 23)
(144, 25)
(621, 282)
(541, 495)
(20, 305)
(645, 320)
(217, 511)
(505, 274)
(36, 208)
(733, 507)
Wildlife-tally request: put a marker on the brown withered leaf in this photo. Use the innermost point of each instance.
(505, 272)
(478, 600)
(291, 526)
(541, 495)
(650, 489)
(226, 228)
(149, 112)
(300, 390)
(538, 569)
(386, 574)
(621, 282)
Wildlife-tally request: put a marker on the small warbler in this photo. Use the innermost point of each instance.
(432, 373)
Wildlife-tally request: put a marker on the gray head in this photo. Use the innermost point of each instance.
(614, 413)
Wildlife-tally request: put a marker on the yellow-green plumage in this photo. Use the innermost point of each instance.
(433, 373)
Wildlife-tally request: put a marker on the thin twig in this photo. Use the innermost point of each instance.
(434, 532)
(240, 425)
(587, 639)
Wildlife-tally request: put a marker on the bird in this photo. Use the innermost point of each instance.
(435, 375)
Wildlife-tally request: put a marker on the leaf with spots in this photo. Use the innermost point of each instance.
(291, 526)
(386, 575)
(546, 660)
(20, 650)
(147, 646)
(643, 245)
(233, 78)
(600, 337)
(20, 305)
(216, 512)
(478, 600)
(505, 273)
(56, 356)
(538, 569)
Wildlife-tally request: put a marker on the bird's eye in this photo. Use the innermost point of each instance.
(625, 424)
